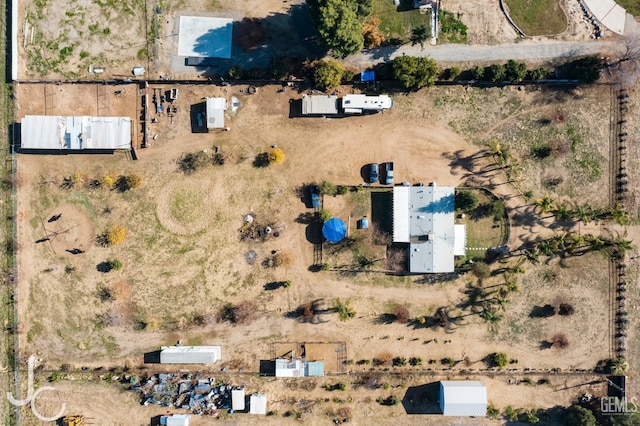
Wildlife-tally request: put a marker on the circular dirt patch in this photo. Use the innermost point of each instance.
(69, 229)
(184, 207)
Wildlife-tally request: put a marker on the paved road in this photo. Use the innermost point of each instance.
(503, 52)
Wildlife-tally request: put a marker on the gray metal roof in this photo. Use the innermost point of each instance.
(44, 132)
(424, 217)
(463, 398)
(319, 104)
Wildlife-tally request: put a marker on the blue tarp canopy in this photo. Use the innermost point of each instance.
(368, 76)
(334, 230)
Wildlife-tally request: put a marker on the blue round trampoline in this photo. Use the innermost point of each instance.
(334, 230)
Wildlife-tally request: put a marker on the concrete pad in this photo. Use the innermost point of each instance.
(609, 13)
(205, 37)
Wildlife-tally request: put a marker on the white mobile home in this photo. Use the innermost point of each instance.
(463, 398)
(359, 104)
(190, 354)
(258, 404)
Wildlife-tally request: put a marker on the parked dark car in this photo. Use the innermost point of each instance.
(388, 177)
(314, 192)
(374, 173)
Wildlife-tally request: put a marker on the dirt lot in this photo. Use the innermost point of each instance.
(183, 258)
(64, 40)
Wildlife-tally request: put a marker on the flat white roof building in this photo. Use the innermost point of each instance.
(48, 132)
(258, 404)
(319, 104)
(237, 399)
(205, 37)
(424, 217)
(175, 420)
(215, 112)
(357, 104)
(463, 398)
(190, 354)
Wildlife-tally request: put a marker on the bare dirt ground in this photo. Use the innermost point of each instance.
(46, 30)
(183, 258)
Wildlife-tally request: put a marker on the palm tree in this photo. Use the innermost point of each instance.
(532, 255)
(618, 214)
(545, 204)
(511, 282)
(499, 152)
(562, 212)
(619, 367)
(622, 245)
(583, 213)
(546, 247)
(490, 315)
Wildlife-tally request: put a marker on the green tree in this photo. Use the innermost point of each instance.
(515, 71)
(538, 74)
(337, 24)
(495, 72)
(562, 212)
(414, 72)
(586, 70)
(465, 200)
(344, 309)
(364, 8)
(477, 72)
(327, 74)
(500, 359)
(500, 153)
(419, 35)
(577, 415)
(452, 73)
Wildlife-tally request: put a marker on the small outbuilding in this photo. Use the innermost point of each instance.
(237, 398)
(175, 420)
(319, 105)
(258, 404)
(299, 368)
(215, 112)
(190, 354)
(463, 398)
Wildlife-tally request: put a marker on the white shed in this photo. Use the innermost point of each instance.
(190, 354)
(463, 398)
(258, 404)
(237, 399)
(175, 420)
(215, 112)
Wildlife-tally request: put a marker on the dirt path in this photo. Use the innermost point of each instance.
(446, 53)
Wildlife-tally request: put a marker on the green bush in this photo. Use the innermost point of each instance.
(115, 264)
(342, 189)
(325, 215)
(500, 359)
(465, 200)
(328, 188)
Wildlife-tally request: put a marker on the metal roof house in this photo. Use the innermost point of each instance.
(319, 104)
(175, 420)
(463, 398)
(258, 404)
(190, 354)
(215, 112)
(424, 217)
(299, 368)
(358, 104)
(75, 133)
